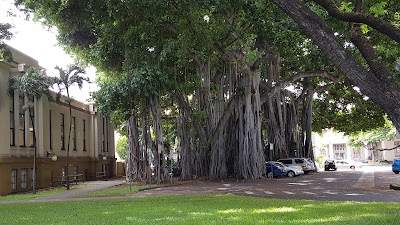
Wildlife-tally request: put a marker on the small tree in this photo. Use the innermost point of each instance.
(31, 84)
(66, 79)
(5, 34)
(365, 139)
(122, 147)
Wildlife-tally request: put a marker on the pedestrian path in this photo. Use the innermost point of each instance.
(367, 180)
(93, 186)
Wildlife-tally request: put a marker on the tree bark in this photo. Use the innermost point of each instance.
(132, 172)
(386, 95)
(34, 174)
(358, 17)
(160, 165)
(184, 138)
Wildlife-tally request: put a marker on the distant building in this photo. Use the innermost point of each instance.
(92, 150)
(335, 145)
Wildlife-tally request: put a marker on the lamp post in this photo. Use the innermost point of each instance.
(271, 148)
(52, 155)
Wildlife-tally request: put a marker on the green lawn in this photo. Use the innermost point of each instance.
(124, 189)
(40, 193)
(201, 209)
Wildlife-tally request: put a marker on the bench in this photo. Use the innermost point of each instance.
(75, 178)
(100, 175)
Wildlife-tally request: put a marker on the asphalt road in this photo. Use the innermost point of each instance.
(368, 184)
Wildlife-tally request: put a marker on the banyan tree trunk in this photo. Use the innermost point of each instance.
(251, 158)
(184, 131)
(307, 124)
(160, 162)
(132, 168)
(146, 147)
(207, 122)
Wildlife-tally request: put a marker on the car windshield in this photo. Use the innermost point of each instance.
(286, 161)
(309, 161)
(279, 164)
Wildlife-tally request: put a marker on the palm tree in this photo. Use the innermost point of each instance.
(67, 78)
(31, 84)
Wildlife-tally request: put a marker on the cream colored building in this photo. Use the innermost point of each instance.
(92, 149)
(334, 145)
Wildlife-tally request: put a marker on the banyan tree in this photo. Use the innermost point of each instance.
(239, 78)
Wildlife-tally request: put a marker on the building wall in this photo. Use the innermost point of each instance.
(4, 109)
(96, 134)
(327, 143)
(324, 147)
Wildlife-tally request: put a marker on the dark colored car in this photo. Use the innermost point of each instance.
(276, 170)
(330, 165)
(396, 166)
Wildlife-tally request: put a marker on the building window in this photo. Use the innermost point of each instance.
(31, 121)
(51, 133)
(14, 180)
(339, 150)
(62, 132)
(12, 120)
(84, 135)
(23, 178)
(104, 135)
(21, 122)
(357, 154)
(73, 133)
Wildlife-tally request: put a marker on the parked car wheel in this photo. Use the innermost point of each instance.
(352, 167)
(291, 174)
(396, 172)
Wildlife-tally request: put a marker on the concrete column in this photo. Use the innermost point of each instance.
(330, 151)
(42, 125)
(388, 155)
(4, 110)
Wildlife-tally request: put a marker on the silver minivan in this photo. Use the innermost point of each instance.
(307, 164)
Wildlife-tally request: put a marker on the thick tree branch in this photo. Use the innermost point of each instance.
(387, 149)
(281, 84)
(383, 94)
(370, 54)
(357, 17)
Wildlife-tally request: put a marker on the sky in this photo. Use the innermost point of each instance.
(40, 43)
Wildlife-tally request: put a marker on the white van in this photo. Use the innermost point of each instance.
(307, 164)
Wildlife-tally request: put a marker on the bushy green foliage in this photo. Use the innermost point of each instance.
(385, 133)
(346, 110)
(5, 34)
(122, 147)
(31, 83)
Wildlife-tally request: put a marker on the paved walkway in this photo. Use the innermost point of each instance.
(70, 195)
(94, 186)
